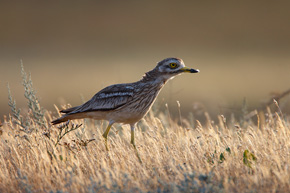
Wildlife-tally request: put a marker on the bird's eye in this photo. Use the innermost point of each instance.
(173, 65)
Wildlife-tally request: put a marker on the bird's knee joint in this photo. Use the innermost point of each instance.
(133, 144)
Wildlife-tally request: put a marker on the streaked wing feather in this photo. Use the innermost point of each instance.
(109, 98)
(68, 110)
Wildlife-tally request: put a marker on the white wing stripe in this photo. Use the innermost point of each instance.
(114, 94)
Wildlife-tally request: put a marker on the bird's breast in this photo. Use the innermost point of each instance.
(143, 100)
(139, 105)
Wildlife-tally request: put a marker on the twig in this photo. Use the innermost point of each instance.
(64, 129)
(278, 98)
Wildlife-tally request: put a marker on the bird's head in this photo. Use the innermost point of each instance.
(170, 67)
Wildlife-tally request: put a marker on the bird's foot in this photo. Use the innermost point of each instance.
(137, 153)
(106, 143)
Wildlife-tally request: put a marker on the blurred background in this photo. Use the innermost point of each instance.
(75, 48)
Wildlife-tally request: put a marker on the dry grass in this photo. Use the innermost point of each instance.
(208, 158)
(214, 157)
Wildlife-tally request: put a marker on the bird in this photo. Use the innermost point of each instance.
(129, 102)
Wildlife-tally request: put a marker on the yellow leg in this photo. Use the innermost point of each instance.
(133, 142)
(105, 135)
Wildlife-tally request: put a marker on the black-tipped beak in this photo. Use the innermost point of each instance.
(190, 70)
(194, 70)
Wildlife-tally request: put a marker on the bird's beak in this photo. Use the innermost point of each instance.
(190, 70)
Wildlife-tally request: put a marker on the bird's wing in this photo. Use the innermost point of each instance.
(109, 98)
(68, 110)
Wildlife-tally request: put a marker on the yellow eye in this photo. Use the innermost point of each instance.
(173, 65)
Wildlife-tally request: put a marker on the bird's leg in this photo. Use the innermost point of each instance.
(133, 142)
(105, 135)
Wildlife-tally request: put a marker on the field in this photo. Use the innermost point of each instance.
(249, 154)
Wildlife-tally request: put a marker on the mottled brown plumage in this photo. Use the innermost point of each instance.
(127, 103)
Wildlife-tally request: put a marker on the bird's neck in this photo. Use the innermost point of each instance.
(148, 76)
(154, 77)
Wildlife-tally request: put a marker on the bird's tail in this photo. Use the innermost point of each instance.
(69, 115)
(61, 119)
